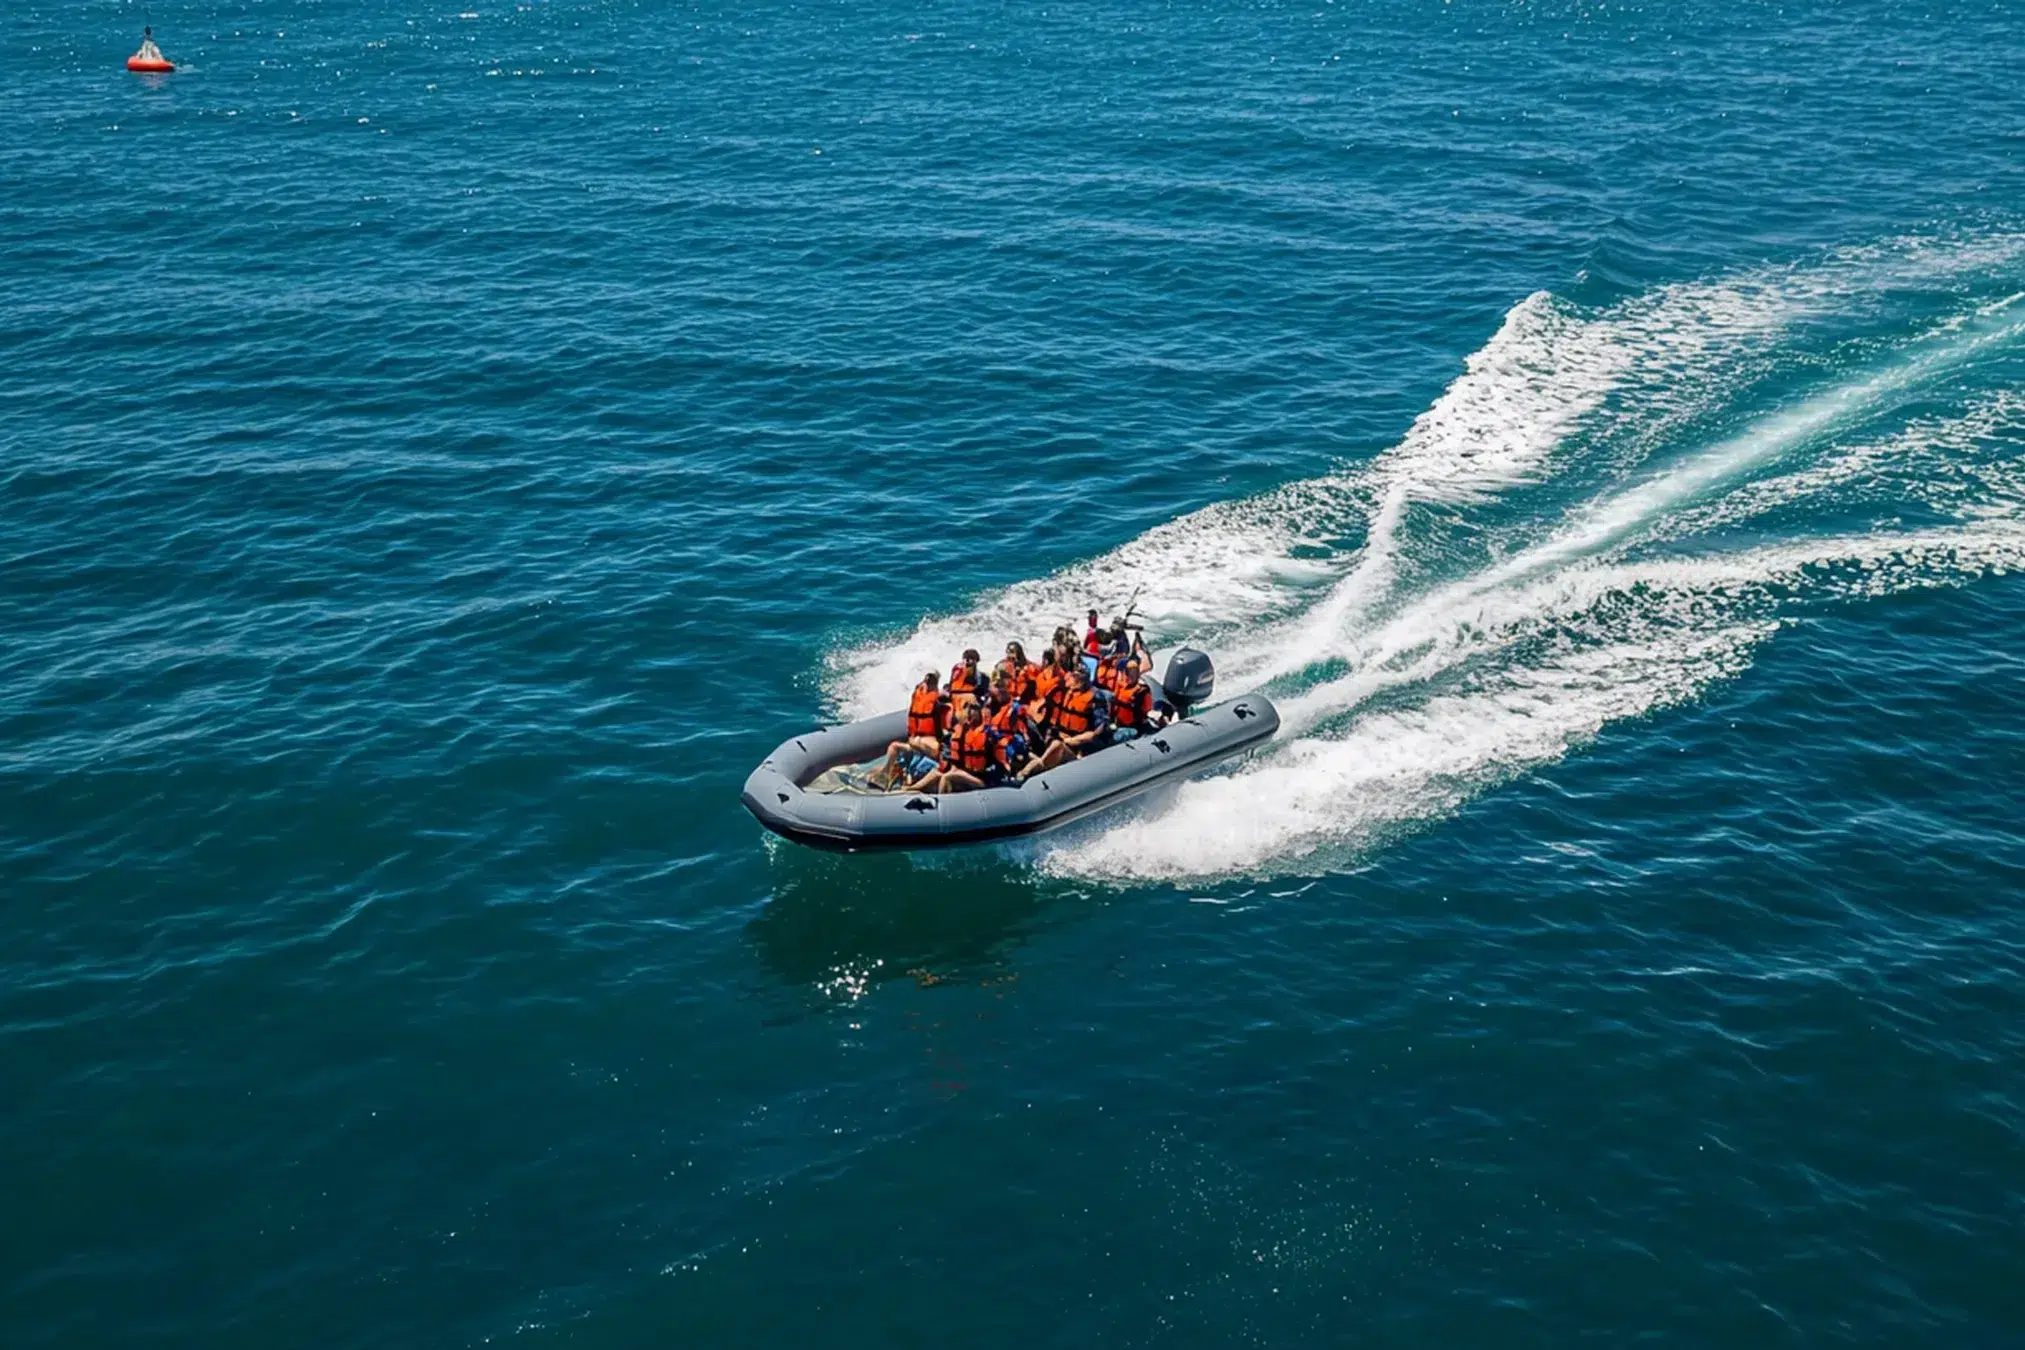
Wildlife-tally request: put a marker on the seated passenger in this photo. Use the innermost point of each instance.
(1077, 719)
(974, 760)
(1040, 710)
(1047, 679)
(1011, 717)
(1110, 670)
(998, 697)
(966, 681)
(1063, 645)
(1093, 636)
(927, 715)
(1131, 704)
(927, 721)
(1019, 672)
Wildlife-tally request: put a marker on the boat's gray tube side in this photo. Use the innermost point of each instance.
(851, 822)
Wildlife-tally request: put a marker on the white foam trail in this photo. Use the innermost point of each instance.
(1619, 641)
(1837, 407)
(1460, 669)
(1542, 377)
(1938, 463)
(1546, 370)
(1469, 602)
(1401, 766)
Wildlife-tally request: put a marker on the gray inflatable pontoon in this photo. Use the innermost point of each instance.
(782, 791)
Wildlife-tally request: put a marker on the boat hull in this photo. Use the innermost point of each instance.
(776, 792)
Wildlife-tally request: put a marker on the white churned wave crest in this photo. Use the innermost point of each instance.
(1609, 509)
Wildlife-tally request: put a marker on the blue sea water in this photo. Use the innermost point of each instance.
(442, 450)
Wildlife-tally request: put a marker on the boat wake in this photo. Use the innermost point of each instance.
(1610, 508)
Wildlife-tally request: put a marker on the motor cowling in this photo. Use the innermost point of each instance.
(1190, 679)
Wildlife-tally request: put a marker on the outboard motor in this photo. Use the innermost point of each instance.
(1190, 679)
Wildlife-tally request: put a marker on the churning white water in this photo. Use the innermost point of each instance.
(1607, 510)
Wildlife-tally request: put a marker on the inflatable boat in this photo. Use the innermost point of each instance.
(811, 789)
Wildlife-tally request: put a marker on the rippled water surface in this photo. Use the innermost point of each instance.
(442, 451)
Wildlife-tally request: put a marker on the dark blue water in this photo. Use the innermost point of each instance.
(441, 452)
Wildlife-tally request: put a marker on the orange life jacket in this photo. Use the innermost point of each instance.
(1019, 680)
(1075, 711)
(1131, 704)
(1015, 724)
(964, 681)
(1046, 680)
(924, 712)
(971, 749)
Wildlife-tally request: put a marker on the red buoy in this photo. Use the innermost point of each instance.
(149, 59)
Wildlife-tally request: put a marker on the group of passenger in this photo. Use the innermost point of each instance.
(1025, 717)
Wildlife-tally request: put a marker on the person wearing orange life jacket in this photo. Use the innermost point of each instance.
(1047, 680)
(1132, 712)
(1110, 669)
(1006, 710)
(1010, 716)
(1018, 671)
(927, 722)
(975, 758)
(1077, 719)
(1047, 677)
(966, 681)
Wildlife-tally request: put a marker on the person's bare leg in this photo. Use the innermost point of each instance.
(1047, 759)
(960, 780)
(930, 782)
(887, 775)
